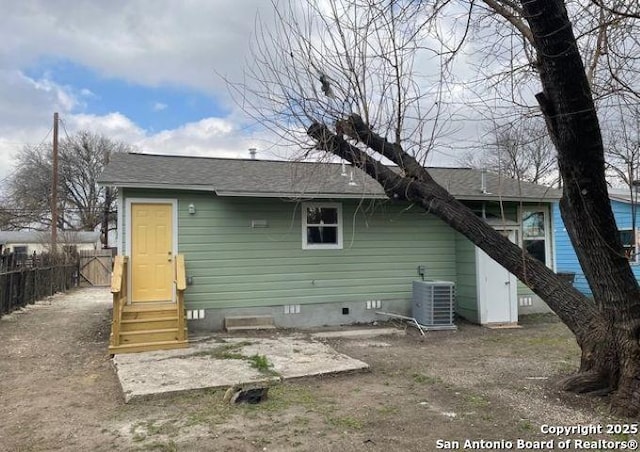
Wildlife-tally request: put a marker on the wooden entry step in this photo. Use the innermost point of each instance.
(149, 311)
(141, 324)
(249, 322)
(149, 326)
(156, 306)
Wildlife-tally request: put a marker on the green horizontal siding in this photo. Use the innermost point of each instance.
(235, 265)
(466, 288)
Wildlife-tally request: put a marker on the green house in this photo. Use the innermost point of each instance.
(303, 244)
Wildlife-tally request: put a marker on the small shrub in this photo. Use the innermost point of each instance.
(260, 362)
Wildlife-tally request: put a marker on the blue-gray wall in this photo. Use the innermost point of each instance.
(566, 258)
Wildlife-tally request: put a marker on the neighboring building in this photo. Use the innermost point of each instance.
(623, 206)
(29, 242)
(311, 244)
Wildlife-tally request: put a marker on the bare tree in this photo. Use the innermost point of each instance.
(520, 150)
(28, 189)
(345, 72)
(607, 37)
(623, 146)
(83, 204)
(358, 57)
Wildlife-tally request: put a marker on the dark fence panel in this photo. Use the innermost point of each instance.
(25, 280)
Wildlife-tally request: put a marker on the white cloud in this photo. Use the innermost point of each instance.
(26, 112)
(207, 137)
(212, 137)
(29, 101)
(146, 41)
(64, 96)
(114, 125)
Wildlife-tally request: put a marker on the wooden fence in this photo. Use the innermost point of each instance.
(24, 280)
(95, 267)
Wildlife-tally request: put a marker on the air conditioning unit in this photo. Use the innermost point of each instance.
(433, 304)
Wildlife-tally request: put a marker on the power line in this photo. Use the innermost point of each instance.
(45, 137)
(64, 127)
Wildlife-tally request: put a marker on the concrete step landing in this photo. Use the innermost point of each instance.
(249, 322)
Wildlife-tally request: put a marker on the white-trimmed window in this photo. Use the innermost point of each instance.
(21, 250)
(629, 243)
(321, 225)
(535, 234)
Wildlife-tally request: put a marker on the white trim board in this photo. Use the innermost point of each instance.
(174, 238)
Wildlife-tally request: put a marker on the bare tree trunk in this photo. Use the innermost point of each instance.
(612, 355)
(377, 82)
(608, 329)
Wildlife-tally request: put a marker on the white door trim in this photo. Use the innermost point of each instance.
(482, 289)
(127, 238)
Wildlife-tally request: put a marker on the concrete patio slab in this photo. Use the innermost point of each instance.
(226, 362)
(359, 334)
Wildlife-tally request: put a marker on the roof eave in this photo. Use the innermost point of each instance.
(310, 195)
(498, 198)
(147, 185)
(621, 199)
(294, 195)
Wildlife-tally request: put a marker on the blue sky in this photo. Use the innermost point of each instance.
(146, 72)
(154, 108)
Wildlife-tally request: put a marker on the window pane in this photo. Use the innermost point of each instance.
(313, 215)
(630, 253)
(322, 215)
(322, 235)
(536, 248)
(626, 237)
(533, 224)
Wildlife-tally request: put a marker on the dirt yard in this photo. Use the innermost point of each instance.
(58, 391)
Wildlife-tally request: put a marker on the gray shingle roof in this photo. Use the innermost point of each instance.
(42, 237)
(623, 195)
(238, 177)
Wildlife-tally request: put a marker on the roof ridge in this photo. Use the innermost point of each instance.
(204, 157)
(248, 159)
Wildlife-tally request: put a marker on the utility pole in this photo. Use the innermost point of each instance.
(105, 217)
(54, 188)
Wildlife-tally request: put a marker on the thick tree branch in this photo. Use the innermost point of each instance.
(356, 129)
(572, 307)
(514, 20)
(330, 142)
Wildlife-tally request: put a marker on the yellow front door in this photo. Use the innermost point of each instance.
(151, 252)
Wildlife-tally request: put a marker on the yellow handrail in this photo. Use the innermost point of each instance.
(181, 286)
(119, 291)
(118, 274)
(181, 276)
